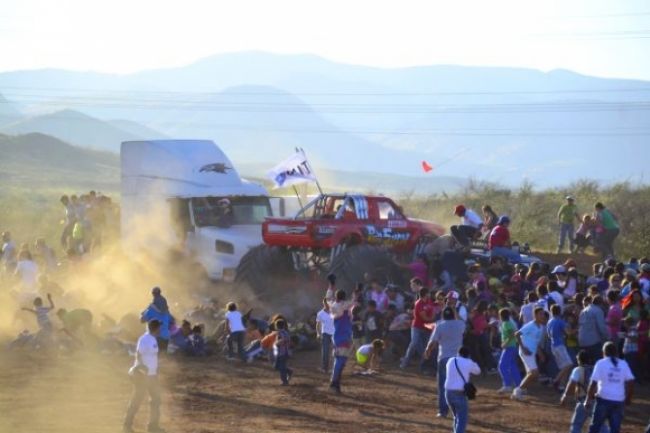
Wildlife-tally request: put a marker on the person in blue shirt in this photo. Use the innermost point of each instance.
(153, 313)
(556, 330)
(529, 338)
(342, 338)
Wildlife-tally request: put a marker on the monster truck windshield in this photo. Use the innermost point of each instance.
(227, 211)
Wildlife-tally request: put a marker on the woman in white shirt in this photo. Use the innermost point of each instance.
(27, 270)
(611, 387)
(459, 369)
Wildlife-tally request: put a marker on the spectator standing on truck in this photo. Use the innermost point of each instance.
(490, 218)
(470, 225)
(567, 213)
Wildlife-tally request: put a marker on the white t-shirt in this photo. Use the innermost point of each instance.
(527, 313)
(28, 272)
(366, 349)
(471, 218)
(454, 382)
(147, 348)
(235, 321)
(611, 379)
(326, 322)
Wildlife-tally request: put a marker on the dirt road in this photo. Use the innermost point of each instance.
(88, 393)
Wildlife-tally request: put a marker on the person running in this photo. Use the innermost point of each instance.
(447, 336)
(342, 338)
(565, 216)
(508, 368)
(592, 328)
(470, 226)
(420, 334)
(529, 338)
(144, 375)
(281, 352)
(236, 331)
(556, 330)
(324, 331)
(458, 372)
(611, 388)
(577, 386)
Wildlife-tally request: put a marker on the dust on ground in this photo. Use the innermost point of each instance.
(88, 392)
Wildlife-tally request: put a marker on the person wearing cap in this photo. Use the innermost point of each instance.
(448, 337)
(470, 226)
(453, 300)
(499, 241)
(565, 217)
(225, 217)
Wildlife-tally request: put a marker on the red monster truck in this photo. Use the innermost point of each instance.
(348, 235)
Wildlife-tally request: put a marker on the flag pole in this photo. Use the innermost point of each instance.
(320, 190)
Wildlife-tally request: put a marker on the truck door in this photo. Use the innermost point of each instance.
(393, 225)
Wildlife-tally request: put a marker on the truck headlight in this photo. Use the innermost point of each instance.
(224, 247)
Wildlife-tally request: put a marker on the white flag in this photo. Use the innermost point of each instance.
(292, 171)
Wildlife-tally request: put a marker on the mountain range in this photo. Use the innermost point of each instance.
(497, 124)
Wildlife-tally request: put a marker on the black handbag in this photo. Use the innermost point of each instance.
(470, 389)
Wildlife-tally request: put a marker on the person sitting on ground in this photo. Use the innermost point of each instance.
(469, 228)
(369, 356)
(197, 345)
(179, 340)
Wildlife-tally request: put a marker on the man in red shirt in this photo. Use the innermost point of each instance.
(420, 333)
(499, 241)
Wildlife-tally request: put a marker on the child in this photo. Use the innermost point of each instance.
(281, 352)
(159, 302)
(584, 234)
(369, 356)
(41, 312)
(631, 345)
(373, 322)
(358, 330)
(197, 342)
(508, 369)
(236, 331)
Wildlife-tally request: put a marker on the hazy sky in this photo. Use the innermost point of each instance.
(606, 38)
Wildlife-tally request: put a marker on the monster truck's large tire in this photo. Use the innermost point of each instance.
(351, 264)
(262, 268)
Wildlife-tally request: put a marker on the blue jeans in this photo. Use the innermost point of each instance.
(508, 368)
(508, 253)
(443, 408)
(281, 366)
(236, 337)
(339, 364)
(459, 408)
(325, 351)
(607, 410)
(418, 344)
(580, 415)
(566, 231)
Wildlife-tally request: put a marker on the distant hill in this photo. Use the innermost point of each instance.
(38, 161)
(8, 112)
(80, 129)
(497, 124)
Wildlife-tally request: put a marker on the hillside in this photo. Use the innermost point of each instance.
(80, 129)
(497, 124)
(37, 161)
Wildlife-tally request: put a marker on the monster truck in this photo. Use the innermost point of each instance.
(348, 235)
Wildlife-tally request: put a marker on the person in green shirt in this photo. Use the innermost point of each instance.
(508, 369)
(608, 229)
(565, 217)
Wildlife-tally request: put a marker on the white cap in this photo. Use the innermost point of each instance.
(453, 295)
(559, 269)
(569, 197)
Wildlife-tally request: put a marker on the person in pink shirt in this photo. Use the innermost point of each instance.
(418, 269)
(614, 315)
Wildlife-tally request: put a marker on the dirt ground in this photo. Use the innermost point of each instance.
(87, 393)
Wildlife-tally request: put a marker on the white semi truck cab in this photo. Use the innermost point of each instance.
(187, 195)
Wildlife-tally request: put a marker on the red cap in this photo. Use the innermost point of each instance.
(459, 210)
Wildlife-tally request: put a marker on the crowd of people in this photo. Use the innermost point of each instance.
(535, 324)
